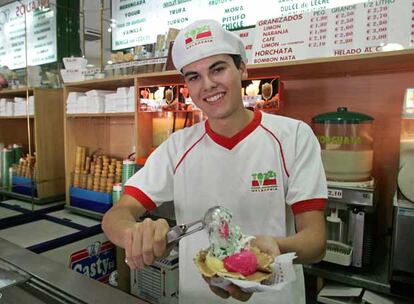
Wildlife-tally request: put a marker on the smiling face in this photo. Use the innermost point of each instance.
(214, 84)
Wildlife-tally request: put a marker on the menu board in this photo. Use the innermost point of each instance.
(40, 21)
(138, 22)
(368, 27)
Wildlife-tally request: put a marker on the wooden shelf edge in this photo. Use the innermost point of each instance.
(316, 67)
(36, 200)
(16, 117)
(85, 212)
(94, 115)
(15, 91)
(99, 81)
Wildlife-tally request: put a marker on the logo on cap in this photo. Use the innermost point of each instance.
(198, 35)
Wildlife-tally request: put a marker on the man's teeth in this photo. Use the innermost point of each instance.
(214, 98)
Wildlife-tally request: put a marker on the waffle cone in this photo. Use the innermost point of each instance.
(263, 270)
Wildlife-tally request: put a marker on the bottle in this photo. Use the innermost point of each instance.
(116, 193)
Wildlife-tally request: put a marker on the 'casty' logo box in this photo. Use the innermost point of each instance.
(97, 261)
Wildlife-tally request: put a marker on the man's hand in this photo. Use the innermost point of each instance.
(230, 291)
(142, 241)
(267, 244)
(145, 241)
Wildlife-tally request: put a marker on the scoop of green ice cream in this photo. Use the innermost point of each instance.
(225, 236)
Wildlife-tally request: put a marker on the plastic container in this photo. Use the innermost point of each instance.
(7, 161)
(167, 122)
(406, 168)
(128, 169)
(162, 124)
(116, 193)
(346, 143)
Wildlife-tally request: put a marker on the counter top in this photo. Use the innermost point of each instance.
(50, 279)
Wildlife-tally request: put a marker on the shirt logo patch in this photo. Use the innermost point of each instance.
(264, 181)
(199, 35)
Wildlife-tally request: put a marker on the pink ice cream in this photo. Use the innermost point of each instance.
(244, 262)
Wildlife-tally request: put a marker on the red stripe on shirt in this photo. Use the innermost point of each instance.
(280, 147)
(309, 205)
(186, 152)
(140, 197)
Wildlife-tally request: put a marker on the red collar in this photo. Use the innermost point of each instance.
(231, 142)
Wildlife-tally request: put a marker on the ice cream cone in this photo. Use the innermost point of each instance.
(263, 270)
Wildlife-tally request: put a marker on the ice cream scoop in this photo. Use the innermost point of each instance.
(178, 232)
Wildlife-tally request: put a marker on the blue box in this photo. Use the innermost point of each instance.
(23, 185)
(90, 200)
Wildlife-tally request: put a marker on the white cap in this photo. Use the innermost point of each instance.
(204, 38)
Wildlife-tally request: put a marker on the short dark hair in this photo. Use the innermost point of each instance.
(237, 60)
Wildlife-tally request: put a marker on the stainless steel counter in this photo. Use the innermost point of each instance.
(26, 277)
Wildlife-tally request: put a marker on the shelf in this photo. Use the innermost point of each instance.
(16, 117)
(46, 138)
(375, 278)
(22, 92)
(110, 83)
(395, 61)
(87, 213)
(87, 115)
(36, 200)
(109, 133)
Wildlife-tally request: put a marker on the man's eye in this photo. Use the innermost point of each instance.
(192, 78)
(218, 69)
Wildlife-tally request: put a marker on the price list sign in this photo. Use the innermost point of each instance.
(34, 20)
(132, 26)
(41, 37)
(376, 23)
(412, 24)
(13, 41)
(318, 30)
(279, 39)
(368, 27)
(176, 14)
(344, 19)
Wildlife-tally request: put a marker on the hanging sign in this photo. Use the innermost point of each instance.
(286, 31)
(138, 22)
(363, 28)
(31, 21)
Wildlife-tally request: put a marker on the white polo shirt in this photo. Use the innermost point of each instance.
(264, 175)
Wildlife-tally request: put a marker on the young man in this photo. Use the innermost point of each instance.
(225, 161)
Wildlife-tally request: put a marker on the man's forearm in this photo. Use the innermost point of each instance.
(307, 249)
(115, 223)
(120, 218)
(309, 242)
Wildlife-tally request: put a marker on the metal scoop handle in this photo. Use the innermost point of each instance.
(178, 232)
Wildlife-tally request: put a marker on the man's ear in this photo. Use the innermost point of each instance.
(243, 70)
